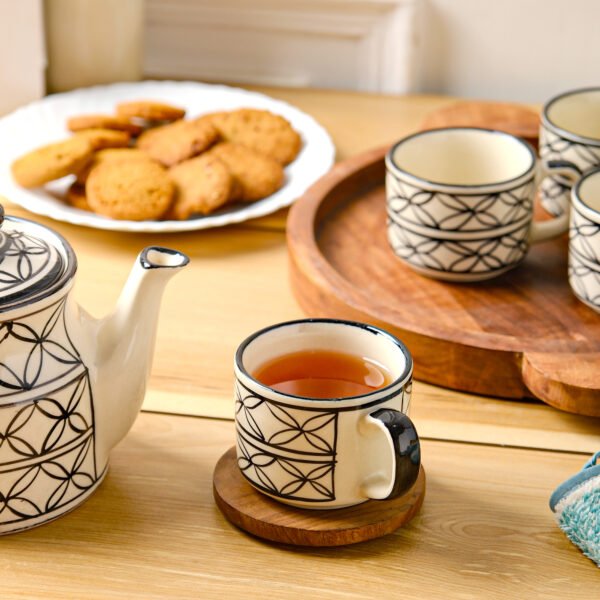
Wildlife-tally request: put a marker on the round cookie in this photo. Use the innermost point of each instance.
(255, 174)
(150, 110)
(109, 155)
(203, 184)
(105, 138)
(120, 154)
(76, 197)
(132, 190)
(259, 130)
(82, 122)
(52, 162)
(178, 141)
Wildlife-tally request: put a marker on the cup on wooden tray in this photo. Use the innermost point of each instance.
(321, 413)
(569, 135)
(460, 202)
(584, 240)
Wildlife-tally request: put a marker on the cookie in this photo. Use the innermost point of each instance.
(105, 138)
(112, 154)
(76, 197)
(259, 130)
(150, 110)
(133, 190)
(178, 141)
(52, 162)
(202, 185)
(120, 154)
(255, 174)
(82, 122)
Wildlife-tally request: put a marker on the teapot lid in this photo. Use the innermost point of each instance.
(35, 262)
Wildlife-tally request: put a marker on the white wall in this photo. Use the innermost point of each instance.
(354, 44)
(523, 50)
(22, 51)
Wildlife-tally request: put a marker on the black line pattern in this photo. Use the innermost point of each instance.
(554, 195)
(462, 257)
(46, 423)
(284, 428)
(286, 451)
(47, 486)
(23, 258)
(296, 478)
(556, 147)
(35, 350)
(47, 441)
(457, 212)
(584, 258)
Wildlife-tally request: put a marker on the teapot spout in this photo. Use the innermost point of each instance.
(125, 342)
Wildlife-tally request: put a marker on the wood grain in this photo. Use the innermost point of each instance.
(473, 337)
(152, 531)
(265, 518)
(512, 118)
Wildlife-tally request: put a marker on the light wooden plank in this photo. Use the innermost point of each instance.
(439, 414)
(152, 531)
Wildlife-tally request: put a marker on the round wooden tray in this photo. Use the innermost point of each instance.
(513, 118)
(519, 335)
(266, 518)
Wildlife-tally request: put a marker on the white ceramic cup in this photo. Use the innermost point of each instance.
(584, 240)
(325, 453)
(460, 202)
(569, 137)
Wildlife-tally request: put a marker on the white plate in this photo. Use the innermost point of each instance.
(44, 121)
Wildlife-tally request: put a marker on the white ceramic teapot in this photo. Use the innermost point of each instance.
(70, 385)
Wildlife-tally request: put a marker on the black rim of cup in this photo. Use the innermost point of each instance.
(577, 187)
(393, 166)
(575, 137)
(400, 380)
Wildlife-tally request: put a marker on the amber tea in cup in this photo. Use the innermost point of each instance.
(323, 374)
(318, 425)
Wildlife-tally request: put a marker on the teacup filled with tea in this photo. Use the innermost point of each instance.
(321, 413)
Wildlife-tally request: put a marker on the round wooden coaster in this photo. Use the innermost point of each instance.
(266, 518)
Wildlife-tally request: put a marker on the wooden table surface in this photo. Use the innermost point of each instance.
(153, 531)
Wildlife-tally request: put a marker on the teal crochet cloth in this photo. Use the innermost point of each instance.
(576, 505)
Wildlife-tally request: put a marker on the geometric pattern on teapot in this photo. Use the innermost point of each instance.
(35, 350)
(47, 441)
(22, 260)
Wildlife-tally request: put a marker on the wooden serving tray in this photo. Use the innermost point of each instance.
(519, 335)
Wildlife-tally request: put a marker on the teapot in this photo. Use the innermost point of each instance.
(71, 385)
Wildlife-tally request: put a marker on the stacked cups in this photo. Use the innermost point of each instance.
(460, 199)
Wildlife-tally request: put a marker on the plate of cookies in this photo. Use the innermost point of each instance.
(160, 156)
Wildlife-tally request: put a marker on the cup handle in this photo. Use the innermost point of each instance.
(546, 230)
(567, 169)
(405, 453)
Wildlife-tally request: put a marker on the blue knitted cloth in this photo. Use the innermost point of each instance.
(576, 505)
